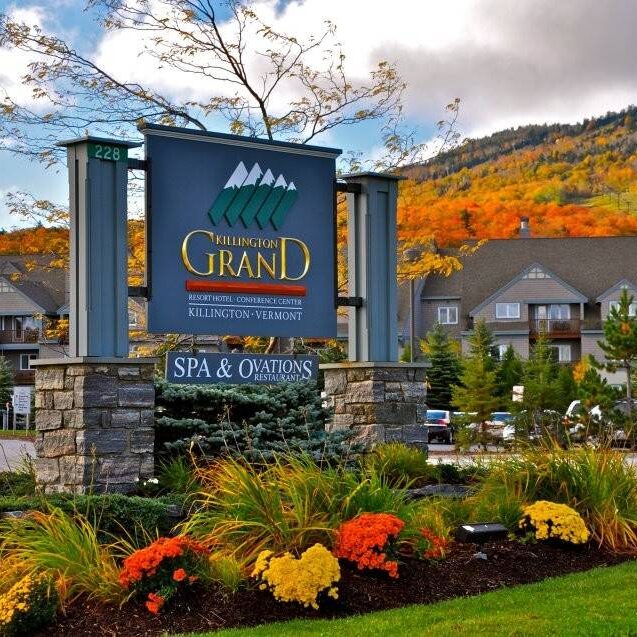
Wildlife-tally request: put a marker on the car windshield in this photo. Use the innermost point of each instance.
(436, 415)
(501, 416)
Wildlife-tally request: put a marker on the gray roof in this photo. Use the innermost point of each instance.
(591, 265)
(33, 276)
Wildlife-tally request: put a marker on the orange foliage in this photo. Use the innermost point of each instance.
(585, 185)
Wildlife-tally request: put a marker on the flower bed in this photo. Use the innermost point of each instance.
(420, 582)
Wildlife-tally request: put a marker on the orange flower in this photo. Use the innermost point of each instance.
(179, 575)
(364, 539)
(146, 561)
(154, 603)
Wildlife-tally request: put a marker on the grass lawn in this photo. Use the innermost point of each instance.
(18, 434)
(599, 602)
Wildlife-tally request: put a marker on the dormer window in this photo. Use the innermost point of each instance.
(536, 273)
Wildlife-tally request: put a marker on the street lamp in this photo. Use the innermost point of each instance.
(411, 255)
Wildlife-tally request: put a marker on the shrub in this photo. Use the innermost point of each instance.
(367, 540)
(114, 515)
(400, 464)
(160, 569)
(225, 570)
(549, 520)
(597, 483)
(299, 580)
(254, 421)
(287, 505)
(28, 605)
(178, 475)
(17, 483)
(66, 548)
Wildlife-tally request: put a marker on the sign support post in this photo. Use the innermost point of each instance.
(374, 394)
(95, 410)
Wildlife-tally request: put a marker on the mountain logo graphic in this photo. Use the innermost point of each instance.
(254, 196)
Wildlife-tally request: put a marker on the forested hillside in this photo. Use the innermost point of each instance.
(572, 180)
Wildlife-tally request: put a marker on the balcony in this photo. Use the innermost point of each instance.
(9, 337)
(24, 377)
(555, 328)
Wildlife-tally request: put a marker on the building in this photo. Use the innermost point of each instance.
(561, 287)
(33, 299)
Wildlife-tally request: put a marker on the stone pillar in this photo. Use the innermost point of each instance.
(381, 402)
(94, 424)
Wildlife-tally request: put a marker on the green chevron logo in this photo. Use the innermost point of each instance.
(254, 196)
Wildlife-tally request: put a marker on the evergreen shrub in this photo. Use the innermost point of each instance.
(253, 421)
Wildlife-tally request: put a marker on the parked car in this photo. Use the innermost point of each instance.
(605, 424)
(439, 424)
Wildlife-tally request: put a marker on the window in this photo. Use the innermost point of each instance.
(448, 315)
(536, 273)
(631, 312)
(559, 311)
(562, 353)
(507, 310)
(5, 287)
(25, 361)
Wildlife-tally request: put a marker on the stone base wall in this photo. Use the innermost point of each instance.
(381, 402)
(94, 424)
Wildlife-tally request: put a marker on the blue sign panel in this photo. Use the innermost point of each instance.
(237, 369)
(241, 235)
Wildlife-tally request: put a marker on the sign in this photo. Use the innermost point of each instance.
(22, 400)
(107, 152)
(242, 235)
(237, 369)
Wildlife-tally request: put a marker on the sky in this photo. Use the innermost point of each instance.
(511, 62)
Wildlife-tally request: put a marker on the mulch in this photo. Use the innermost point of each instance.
(420, 582)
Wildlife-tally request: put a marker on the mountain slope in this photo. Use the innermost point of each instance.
(570, 180)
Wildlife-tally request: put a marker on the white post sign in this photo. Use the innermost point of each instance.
(22, 400)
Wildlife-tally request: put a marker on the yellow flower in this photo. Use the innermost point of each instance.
(553, 520)
(299, 580)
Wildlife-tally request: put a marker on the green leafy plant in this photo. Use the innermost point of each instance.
(66, 548)
(178, 475)
(286, 505)
(597, 483)
(400, 464)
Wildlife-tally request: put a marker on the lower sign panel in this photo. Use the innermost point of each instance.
(237, 369)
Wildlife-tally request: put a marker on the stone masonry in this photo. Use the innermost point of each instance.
(94, 424)
(382, 402)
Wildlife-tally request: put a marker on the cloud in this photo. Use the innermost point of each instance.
(14, 63)
(510, 62)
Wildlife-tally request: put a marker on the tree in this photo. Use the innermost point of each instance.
(593, 390)
(476, 393)
(6, 381)
(482, 344)
(620, 343)
(248, 68)
(567, 388)
(509, 373)
(540, 379)
(444, 372)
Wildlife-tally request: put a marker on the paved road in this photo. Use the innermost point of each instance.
(13, 452)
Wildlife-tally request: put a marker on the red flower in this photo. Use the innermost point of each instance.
(154, 603)
(179, 575)
(437, 545)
